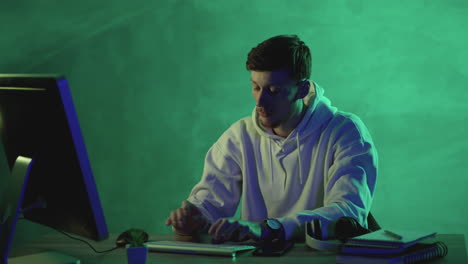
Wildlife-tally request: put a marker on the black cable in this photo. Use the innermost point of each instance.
(87, 243)
(84, 241)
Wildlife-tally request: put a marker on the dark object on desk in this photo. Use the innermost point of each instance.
(275, 248)
(347, 227)
(135, 237)
(38, 121)
(372, 224)
(343, 229)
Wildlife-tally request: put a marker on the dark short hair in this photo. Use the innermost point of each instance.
(280, 51)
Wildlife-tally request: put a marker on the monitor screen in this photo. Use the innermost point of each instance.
(38, 120)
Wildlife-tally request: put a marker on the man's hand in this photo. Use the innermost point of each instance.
(229, 229)
(187, 219)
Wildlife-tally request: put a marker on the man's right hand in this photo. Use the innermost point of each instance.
(187, 219)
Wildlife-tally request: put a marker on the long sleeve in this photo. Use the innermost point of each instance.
(218, 193)
(349, 181)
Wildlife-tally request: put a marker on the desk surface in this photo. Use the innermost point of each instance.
(301, 253)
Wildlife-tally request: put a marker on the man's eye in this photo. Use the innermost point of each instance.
(271, 90)
(274, 90)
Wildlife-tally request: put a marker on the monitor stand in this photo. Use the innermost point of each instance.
(18, 179)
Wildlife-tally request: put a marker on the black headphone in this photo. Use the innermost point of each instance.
(348, 227)
(342, 229)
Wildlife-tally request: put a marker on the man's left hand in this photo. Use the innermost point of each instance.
(230, 229)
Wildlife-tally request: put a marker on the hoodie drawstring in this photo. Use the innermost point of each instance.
(271, 161)
(299, 157)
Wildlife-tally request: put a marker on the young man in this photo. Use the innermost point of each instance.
(296, 159)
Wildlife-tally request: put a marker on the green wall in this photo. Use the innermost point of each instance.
(155, 83)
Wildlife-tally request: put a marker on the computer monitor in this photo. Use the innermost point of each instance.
(38, 121)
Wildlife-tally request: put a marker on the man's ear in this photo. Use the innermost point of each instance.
(303, 89)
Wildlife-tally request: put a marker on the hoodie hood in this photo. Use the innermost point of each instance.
(319, 111)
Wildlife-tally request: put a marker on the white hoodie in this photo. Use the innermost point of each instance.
(326, 168)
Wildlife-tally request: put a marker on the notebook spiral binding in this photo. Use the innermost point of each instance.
(438, 250)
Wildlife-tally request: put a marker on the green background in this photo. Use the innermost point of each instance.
(155, 83)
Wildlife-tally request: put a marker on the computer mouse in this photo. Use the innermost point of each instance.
(127, 236)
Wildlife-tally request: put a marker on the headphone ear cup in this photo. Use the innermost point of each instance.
(318, 229)
(310, 230)
(348, 227)
(344, 228)
(313, 238)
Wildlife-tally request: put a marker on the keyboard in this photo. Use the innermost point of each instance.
(199, 248)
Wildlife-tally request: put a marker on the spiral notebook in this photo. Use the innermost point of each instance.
(396, 238)
(413, 254)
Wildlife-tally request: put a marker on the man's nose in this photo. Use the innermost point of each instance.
(262, 98)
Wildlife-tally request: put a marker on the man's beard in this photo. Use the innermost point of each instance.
(270, 125)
